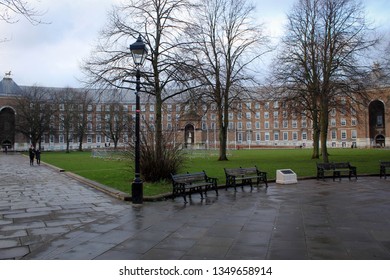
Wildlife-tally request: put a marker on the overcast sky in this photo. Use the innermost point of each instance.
(50, 54)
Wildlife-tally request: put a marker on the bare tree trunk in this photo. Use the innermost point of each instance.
(158, 126)
(223, 128)
(324, 131)
(222, 143)
(316, 136)
(81, 144)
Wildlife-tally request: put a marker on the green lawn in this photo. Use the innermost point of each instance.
(119, 173)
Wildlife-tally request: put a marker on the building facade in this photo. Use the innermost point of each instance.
(252, 124)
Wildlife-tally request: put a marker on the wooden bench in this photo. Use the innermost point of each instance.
(323, 169)
(336, 169)
(190, 183)
(384, 169)
(341, 168)
(244, 176)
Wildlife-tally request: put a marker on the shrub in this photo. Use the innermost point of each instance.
(155, 167)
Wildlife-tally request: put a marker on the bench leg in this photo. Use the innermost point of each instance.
(246, 182)
(264, 180)
(338, 174)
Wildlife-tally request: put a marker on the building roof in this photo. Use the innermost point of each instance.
(9, 87)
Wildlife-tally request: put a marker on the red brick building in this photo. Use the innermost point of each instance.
(253, 124)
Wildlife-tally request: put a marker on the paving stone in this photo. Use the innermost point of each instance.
(113, 237)
(86, 251)
(163, 254)
(114, 254)
(56, 223)
(7, 243)
(12, 234)
(5, 222)
(215, 241)
(26, 215)
(242, 251)
(203, 252)
(14, 253)
(48, 230)
(44, 209)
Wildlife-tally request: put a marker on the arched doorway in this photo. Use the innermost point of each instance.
(377, 123)
(189, 136)
(380, 140)
(7, 127)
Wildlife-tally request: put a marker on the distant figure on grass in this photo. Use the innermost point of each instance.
(31, 153)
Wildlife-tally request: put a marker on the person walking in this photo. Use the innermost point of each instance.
(38, 156)
(31, 153)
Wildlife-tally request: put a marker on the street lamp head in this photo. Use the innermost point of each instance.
(139, 51)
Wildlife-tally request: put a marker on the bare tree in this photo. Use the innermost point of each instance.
(322, 60)
(224, 42)
(11, 8)
(34, 112)
(68, 100)
(115, 121)
(83, 116)
(160, 23)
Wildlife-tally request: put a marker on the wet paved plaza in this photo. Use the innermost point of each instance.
(45, 214)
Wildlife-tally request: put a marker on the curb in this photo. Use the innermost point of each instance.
(105, 189)
(127, 197)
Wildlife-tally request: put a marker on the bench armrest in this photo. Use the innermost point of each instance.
(211, 180)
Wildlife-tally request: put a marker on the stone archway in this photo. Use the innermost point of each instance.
(380, 140)
(7, 127)
(377, 124)
(189, 135)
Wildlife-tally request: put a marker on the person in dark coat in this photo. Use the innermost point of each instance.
(31, 153)
(38, 156)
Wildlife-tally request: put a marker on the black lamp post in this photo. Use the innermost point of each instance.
(139, 53)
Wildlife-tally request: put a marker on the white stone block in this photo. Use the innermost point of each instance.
(286, 176)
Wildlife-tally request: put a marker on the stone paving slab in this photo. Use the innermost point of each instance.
(37, 204)
(309, 220)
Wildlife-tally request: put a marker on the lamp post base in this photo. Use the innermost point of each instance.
(137, 192)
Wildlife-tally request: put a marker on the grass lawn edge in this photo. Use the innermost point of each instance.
(164, 196)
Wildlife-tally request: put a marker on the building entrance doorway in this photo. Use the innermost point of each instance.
(377, 123)
(189, 136)
(380, 140)
(7, 128)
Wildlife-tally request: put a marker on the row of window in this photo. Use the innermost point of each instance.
(238, 125)
(285, 136)
(276, 124)
(257, 136)
(90, 139)
(178, 107)
(213, 117)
